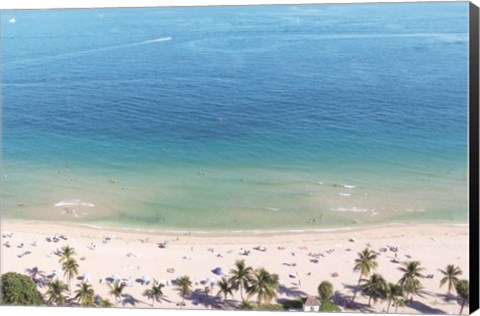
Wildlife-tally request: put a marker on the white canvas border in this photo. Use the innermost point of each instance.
(52, 4)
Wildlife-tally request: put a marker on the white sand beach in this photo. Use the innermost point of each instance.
(302, 260)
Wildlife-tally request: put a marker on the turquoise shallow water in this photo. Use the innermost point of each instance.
(278, 117)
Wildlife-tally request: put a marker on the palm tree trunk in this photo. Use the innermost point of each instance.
(396, 307)
(369, 301)
(388, 307)
(461, 308)
(241, 291)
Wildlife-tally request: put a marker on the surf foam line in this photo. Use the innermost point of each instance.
(90, 51)
(73, 203)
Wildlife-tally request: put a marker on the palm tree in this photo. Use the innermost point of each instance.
(66, 253)
(462, 288)
(84, 294)
(185, 287)
(393, 293)
(375, 288)
(55, 292)
(70, 270)
(264, 285)
(325, 290)
(410, 279)
(399, 301)
(451, 274)
(241, 276)
(117, 289)
(246, 305)
(155, 292)
(225, 288)
(365, 263)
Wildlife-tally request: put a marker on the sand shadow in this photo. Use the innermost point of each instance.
(291, 291)
(130, 300)
(39, 277)
(449, 299)
(35, 271)
(423, 308)
(344, 301)
(198, 297)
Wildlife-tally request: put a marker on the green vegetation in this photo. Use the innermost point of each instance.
(55, 292)
(105, 303)
(451, 274)
(410, 280)
(226, 288)
(70, 270)
(394, 293)
(270, 307)
(325, 290)
(154, 293)
(66, 253)
(116, 290)
(19, 289)
(293, 304)
(264, 285)
(329, 306)
(365, 263)
(374, 288)
(246, 305)
(185, 287)
(462, 287)
(241, 276)
(84, 294)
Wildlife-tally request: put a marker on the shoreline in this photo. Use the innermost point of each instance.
(234, 233)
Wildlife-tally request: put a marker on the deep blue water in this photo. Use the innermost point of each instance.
(374, 95)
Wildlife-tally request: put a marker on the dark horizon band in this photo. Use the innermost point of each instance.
(474, 158)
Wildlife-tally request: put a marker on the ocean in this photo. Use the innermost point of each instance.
(236, 118)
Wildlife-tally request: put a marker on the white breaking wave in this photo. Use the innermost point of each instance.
(351, 209)
(344, 194)
(273, 209)
(12, 20)
(346, 186)
(74, 203)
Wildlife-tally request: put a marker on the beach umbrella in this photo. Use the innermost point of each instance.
(211, 281)
(115, 277)
(162, 282)
(86, 277)
(55, 273)
(217, 271)
(145, 279)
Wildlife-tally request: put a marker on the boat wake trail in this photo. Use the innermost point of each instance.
(89, 51)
